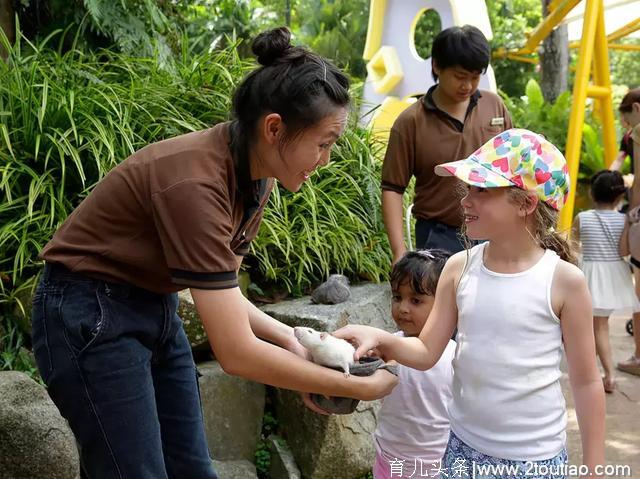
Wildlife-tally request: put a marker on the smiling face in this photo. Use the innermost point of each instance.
(295, 161)
(490, 213)
(410, 309)
(456, 83)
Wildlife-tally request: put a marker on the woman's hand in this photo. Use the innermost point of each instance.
(298, 349)
(363, 338)
(377, 386)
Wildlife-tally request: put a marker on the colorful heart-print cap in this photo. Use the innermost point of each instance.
(519, 158)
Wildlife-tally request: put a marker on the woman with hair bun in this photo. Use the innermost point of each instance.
(179, 214)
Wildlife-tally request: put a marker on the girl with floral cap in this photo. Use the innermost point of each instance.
(518, 301)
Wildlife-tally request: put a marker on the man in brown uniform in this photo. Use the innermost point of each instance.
(448, 123)
(180, 214)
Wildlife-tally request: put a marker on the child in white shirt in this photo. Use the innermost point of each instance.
(413, 423)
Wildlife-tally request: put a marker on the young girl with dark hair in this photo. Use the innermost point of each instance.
(180, 214)
(413, 422)
(608, 277)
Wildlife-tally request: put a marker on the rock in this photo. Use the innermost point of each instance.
(35, 441)
(233, 408)
(283, 464)
(235, 470)
(191, 319)
(335, 290)
(370, 304)
(328, 447)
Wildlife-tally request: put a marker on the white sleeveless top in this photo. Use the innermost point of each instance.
(413, 422)
(507, 401)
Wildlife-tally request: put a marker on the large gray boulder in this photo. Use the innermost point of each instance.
(233, 408)
(328, 447)
(369, 304)
(35, 441)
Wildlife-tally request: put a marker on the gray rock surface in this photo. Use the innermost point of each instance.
(369, 304)
(233, 408)
(35, 441)
(283, 464)
(235, 470)
(328, 447)
(334, 290)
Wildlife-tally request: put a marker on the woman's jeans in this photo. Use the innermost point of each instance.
(118, 366)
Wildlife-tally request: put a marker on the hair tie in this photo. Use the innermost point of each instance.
(325, 71)
(425, 253)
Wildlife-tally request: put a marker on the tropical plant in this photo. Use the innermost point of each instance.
(67, 118)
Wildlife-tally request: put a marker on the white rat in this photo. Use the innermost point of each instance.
(325, 349)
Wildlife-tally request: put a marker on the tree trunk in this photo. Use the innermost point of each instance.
(7, 24)
(554, 60)
(287, 13)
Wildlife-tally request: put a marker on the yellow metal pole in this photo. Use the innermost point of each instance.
(630, 27)
(576, 120)
(622, 46)
(604, 94)
(548, 24)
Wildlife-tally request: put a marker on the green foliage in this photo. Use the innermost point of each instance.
(510, 20)
(263, 455)
(332, 225)
(135, 27)
(334, 29)
(219, 23)
(625, 65)
(69, 118)
(428, 26)
(13, 354)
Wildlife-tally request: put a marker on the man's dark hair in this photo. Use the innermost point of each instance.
(607, 186)
(421, 269)
(299, 85)
(464, 46)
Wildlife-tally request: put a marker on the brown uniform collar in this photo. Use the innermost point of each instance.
(430, 105)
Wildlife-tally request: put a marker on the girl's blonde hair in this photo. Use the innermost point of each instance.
(545, 221)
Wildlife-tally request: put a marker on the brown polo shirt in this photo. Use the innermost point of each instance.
(173, 215)
(424, 136)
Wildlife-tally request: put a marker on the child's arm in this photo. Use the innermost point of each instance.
(425, 351)
(571, 298)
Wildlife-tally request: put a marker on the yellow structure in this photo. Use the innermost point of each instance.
(396, 74)
(592, 80)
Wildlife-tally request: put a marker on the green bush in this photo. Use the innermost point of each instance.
(68, 118)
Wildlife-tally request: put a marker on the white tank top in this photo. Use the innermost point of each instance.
(507, 401)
